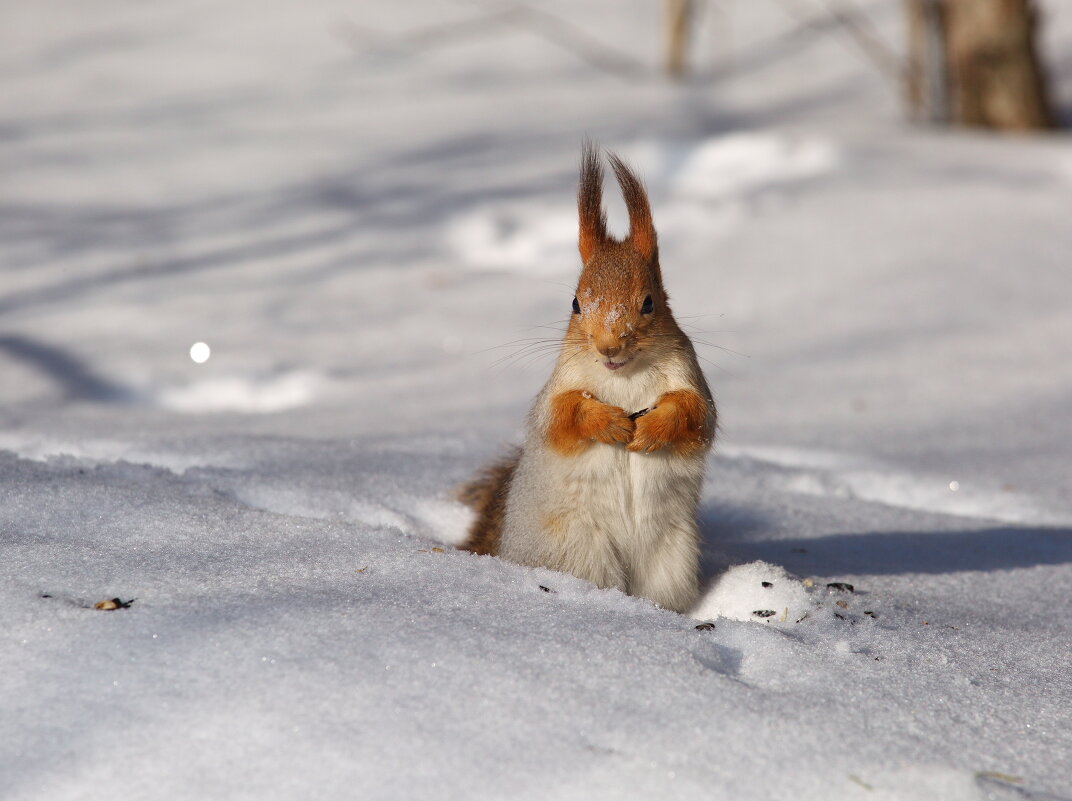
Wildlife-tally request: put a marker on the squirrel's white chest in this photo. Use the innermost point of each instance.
(627, 496)
(632, 393)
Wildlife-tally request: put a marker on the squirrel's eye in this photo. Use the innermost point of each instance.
(576, 306)
(648, 306)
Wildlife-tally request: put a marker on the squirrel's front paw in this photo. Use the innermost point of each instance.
(650, 433)
(614, 425)
(677, 421)
(578, 419)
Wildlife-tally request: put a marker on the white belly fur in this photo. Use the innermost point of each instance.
(613, 517)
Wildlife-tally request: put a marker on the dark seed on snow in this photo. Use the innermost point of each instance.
(869, 613)
(764, 613)
(705, 626)
(546, 589)
(767, 584)
(840, 586)
(839, 616)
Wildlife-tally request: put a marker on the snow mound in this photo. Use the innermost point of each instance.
(263, 395)
(727, 166)
(840, 475)
(757, 591)
(521, 237)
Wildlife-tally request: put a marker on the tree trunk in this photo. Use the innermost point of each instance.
(976, 62)
(678, 18)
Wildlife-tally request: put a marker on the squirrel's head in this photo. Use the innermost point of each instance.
(620, 308)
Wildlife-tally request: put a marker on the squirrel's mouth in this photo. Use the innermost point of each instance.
(613, 365)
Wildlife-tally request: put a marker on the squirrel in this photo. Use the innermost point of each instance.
(607, 482)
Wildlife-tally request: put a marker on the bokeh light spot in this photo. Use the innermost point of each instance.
(200, 352)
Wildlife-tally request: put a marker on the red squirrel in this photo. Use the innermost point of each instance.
(608, 479)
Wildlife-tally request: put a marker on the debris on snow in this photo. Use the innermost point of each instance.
(751, 591)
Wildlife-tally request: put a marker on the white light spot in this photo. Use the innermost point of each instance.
(954, 485)
(200, 352)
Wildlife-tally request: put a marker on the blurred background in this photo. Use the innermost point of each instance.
(225, 225)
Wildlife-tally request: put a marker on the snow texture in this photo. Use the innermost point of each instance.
(757, 591)
(366, 212)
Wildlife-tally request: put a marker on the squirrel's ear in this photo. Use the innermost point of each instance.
(641, 227)
(593, 220)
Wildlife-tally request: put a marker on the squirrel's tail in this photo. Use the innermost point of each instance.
(486, 494)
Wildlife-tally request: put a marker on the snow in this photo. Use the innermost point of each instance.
(264, 394)
(355, 231)
(733, 165)
(757, 591)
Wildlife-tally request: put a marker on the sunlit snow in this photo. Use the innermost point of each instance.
(368, 212)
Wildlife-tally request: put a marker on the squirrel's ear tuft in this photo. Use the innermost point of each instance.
(641, 227)
(593, 220)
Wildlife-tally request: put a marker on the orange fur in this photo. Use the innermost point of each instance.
(578, 420)
(641, 227)
(678, 421)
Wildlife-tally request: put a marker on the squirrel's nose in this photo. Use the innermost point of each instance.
(610, 351)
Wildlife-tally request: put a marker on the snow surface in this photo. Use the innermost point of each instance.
(760, 591)
(366, 212)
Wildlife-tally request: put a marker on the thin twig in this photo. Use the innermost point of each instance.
(569, 37)
(856, 24)
(549, 27)
(885, 59)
